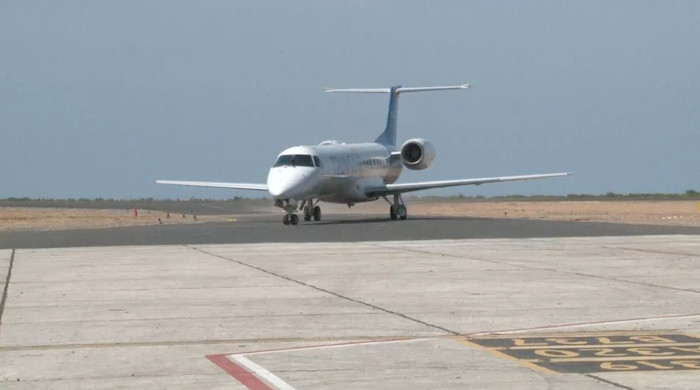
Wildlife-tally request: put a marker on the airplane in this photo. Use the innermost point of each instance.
(336, 172)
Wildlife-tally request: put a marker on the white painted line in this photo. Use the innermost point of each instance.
(584, 325)
(261, 372)
(343, 345)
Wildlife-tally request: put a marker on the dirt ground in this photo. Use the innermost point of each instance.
(30, 218)
(679, 213)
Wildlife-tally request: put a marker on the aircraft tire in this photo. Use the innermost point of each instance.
(294, 219)
(402, 212)
(317, 213)
(286, 220)
(392, 213)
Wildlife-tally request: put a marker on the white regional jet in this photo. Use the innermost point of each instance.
(337, 172)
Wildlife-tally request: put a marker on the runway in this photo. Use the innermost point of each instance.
(534, 305)
(335, 228)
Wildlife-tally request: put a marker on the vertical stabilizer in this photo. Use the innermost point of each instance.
(388, 137)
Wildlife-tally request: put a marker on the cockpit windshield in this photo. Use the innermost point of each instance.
(301, 160)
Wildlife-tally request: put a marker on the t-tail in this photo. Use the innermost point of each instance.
(388, 136)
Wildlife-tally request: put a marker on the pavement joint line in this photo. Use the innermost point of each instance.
(620, 386)
(127, 320)
(7, 286)
(650, 251)
(358, 340)
(338, 295)
(189, 342)
(505, 263)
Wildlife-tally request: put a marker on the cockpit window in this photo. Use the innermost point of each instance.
(317, 161)
(301, 160)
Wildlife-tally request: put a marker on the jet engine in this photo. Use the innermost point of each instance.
(417, 154)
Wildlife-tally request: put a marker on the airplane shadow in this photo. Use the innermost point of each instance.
(377, 220)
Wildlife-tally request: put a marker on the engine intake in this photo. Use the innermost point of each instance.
(417, 154)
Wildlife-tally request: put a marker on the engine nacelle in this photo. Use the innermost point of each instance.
(417, 154)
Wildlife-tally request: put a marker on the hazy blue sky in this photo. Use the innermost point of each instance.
(99, 98)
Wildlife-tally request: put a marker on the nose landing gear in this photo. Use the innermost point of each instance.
(308, 207)
(290, 219)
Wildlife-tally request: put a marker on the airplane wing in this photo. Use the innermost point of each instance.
(388, 189)
(236, 186)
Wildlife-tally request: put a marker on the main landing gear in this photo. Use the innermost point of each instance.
(398, 208)
(310, 210)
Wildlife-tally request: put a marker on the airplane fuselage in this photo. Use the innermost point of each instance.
(333, 172)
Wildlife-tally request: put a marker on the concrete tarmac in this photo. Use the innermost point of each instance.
(335, 228)
(520, 313)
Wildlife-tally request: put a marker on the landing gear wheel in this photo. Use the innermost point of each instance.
(294, 219)
(317, 214)
(392, 213)
(401, 212)
(285, 219)
(307, 214)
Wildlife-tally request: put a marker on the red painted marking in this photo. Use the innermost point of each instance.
(241, 374)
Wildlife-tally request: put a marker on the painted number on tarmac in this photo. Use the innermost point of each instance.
(597, 352)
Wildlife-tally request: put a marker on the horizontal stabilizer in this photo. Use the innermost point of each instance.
(398, 90)
(388, 137)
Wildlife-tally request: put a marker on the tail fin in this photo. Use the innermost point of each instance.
(388, 137)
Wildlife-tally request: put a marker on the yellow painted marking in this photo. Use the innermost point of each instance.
(598, 346)
(494, 352)
(618, 367)
(650, 351)
(524, 343)
(651, 339)
(694, 364)
(607, 352)
(656, 366)
(622, 358)
(567, 341)
(579, 334)
(556, 353)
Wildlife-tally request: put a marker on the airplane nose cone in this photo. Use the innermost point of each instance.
(278, 189)
(284, 183)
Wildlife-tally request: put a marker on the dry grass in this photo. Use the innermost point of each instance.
(20, 218)
(679, 213)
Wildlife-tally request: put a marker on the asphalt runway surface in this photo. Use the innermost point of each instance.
(335, 228)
